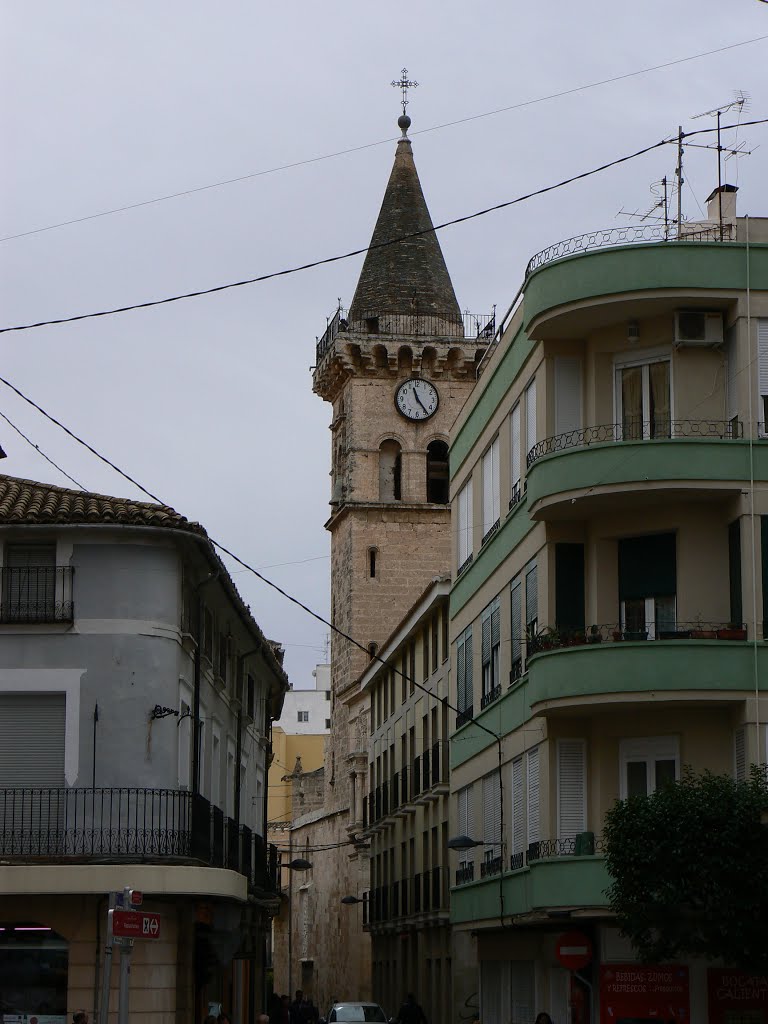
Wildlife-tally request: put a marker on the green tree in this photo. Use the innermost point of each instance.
(689, 868)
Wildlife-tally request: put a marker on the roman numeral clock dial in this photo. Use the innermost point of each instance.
(417, 399)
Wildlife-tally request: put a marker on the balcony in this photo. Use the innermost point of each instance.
(570, 473)
(130, 826)
(36, 595)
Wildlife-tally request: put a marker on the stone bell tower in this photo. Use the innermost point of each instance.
(396, 369)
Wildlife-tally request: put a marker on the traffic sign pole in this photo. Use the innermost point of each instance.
(125, 968)
(106, 974)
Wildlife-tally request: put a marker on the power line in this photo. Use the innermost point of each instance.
(370, 145)
(40, 451)
(379, 245)
(343, 256)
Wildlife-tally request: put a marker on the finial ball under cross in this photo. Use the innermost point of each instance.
(405, 85)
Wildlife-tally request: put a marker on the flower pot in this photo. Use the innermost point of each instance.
(640, 634)
(731, 634)
(616, 634)
(703, 634)
(674, 634)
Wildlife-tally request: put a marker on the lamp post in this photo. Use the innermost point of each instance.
(295, 864)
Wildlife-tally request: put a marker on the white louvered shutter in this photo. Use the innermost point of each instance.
(461, 802)
(470, 814)
(486, 641)
(465, 522)
(762, 355)
(530, 416)
(518, 806)
(533, 796)
(567, 394)
(522, 986)
(515, 431)
(491, 990)
(492, 812)
(516, 601)
(461, 655)
(571, 788)
(468, 686)
(740, 755)
(495, 640)
(496, 493)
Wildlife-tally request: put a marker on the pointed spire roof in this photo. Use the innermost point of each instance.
(409, 276)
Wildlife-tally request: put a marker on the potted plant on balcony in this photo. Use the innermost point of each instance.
(702, 633)
(617, 635)
(635, 634)
(594, 636)
(733, 631)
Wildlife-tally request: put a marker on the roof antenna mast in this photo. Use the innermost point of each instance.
(740, 102)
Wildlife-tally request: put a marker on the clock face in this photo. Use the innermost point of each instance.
(417, 399)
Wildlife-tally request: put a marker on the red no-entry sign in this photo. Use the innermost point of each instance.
(574, 950)
(132, 924)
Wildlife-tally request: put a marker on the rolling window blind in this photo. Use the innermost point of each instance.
(32, 740)
(530, 416)
(762, 355)
(571, 788)
(515, 431)
(492, 812)
(567, 394)
(465, 522)
(533, 796)
(518, 806)
(740, 755)
(491, 486)
(516, 601)
(531, 596)
(522, 986)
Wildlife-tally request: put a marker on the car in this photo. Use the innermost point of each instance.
(355, 1013)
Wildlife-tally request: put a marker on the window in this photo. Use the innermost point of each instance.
(444, 623)
(532, 601)
(435, 635)
(223, 670)
(491, 488)
(740, 754)
(372, 553)
(465, 523)
(518, 806)
(208, 634)
(732, 378)
(492, 815)
(514, 427)
(29, 583)
(216, 766)
(643, 400)
(390, 464)
(571, 788)
(425, 654)
(250, 696)
(490, 621)
(647, 585)
(464, 672)
(567, 394)
(648, 763)
(533, 796)
(327, 723)
(530, 415)
(734, 572)
(516, 626)
(569, 588)
(437, 472)
(466, 820)
(327, 694)
(373, 649)
(762, 370)
(302, 716)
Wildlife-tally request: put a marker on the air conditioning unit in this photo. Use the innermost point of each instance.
(696, 327)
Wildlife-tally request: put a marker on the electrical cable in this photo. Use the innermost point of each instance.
(382, 142)
(40, 451)
(368, 248)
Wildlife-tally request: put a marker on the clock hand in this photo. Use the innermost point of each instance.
(416, 396)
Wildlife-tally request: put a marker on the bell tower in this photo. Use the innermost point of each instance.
(396, 368)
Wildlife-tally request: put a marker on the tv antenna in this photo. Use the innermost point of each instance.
(739, 102)
(662, 191)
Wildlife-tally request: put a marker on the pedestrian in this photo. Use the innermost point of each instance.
(296, 1008)
(210, 1019)
(81, 1017)
(410, 1012)
(285, 1010)
(543, 1018)
(263, 1018)
(223, 1018)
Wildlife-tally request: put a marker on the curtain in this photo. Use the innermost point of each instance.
(659, 387)
(632, 403)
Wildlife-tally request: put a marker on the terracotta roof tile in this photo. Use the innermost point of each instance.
(35, 503)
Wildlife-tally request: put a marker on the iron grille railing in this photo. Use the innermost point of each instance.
(517, 861)
(488, 698)
(465, 565)
(130, 825)
(658, 430)
(36, 594)
(465, 873)
(554, 638)
(491, 866)
(489, 533)
(518, 493)
(627, 235)
(464, 716)
(585, 844)
(406, 325)
(439, 766)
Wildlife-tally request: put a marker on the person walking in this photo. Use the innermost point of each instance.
(543, 1018)
(410, 1012)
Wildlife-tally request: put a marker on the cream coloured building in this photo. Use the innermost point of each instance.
(610, 563)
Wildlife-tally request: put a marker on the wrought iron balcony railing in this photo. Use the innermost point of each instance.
(464, 716)
(628, 234)
(130, 825)
(490, 696)
(660, 429)
(36, 594)
(554, 638)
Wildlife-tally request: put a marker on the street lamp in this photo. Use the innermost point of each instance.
(465, 843)
(349, 900)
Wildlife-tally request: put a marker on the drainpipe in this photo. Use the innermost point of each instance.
(198, 674)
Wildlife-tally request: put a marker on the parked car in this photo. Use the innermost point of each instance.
(355, 1013)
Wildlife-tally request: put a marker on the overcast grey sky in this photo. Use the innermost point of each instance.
(209, 402)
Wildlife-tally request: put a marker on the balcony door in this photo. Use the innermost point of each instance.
(647, 585)
(643, 400)
(29, 583)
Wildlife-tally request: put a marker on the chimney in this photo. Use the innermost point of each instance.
(726, 194)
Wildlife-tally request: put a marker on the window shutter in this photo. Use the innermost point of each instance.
(461, 668)
(492, 989)
(517, 620)
(461, 798)
(488, 490)
(740, 755)
(515, 430)
(32, 740)
(732, 388)
(531, 596)
(495, 624)
(533, 795)
(571, 788)
(530, 416)
(522, 985)
(486, 623)
(518, 806)
(468, 670)
(470, 813)
(490, 799)
(495, 496)
(762, 354)
(567, 394)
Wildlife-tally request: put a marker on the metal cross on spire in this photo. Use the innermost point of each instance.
(405, 85)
